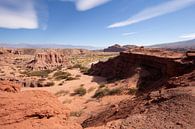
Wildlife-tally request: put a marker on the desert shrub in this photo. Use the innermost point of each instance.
(41, 73)
(71, 78)
(114, 91)
(81, 91)
(101, 92)
(48, 84)
(76, 114)
(132, 91)
(61, 93)
(82, 68)
(60, 75)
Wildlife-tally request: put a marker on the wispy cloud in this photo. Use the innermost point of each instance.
(188, 36)
(83, 5)
(17, 14)
(128, 34)
(152, 12)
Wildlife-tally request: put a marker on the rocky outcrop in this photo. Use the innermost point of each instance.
(118, 48)
(48, 60)
(33, 110)
(152, 66)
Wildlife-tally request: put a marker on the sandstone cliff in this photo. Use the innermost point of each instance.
(152, 66)
(48, 60)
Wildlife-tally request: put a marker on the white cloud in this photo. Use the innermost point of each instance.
(83, 5)
(17, 14)
(152, 12)
(128, 34)
(188, 36)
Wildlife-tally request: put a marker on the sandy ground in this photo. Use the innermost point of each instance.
(83, 106)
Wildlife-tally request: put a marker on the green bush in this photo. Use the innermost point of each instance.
(80, 91)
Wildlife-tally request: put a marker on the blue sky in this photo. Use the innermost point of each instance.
(96, 22)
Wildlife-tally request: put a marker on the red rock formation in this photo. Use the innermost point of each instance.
(48, 60)
(151, 65)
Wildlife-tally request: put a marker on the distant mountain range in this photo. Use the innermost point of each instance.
(189, 44)
(24, 45)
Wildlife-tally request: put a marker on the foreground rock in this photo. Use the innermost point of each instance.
(33, 110)
(174, 108)
(9, 86)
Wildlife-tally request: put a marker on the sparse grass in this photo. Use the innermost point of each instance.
(115, 91)
(76, 114)
(82, 68)
(61, 93)
(101, 92)
(60, 75)
(132, 91)
(81, 91)
(48, 84)
(41, 73)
